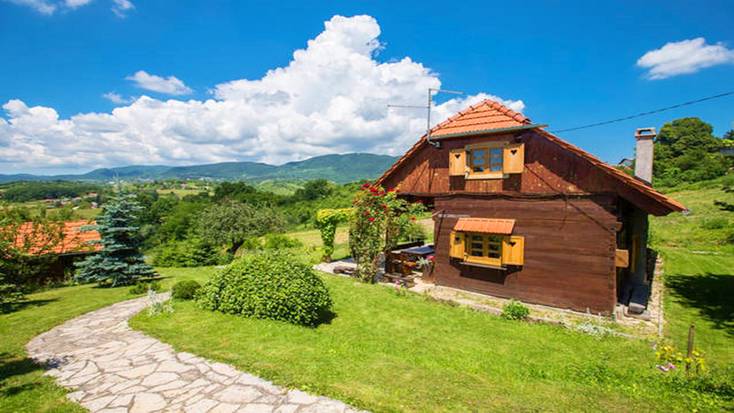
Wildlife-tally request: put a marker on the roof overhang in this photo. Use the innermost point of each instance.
(485, 225)
(494, 131)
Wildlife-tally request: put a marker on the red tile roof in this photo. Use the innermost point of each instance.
(486, 115)
(73, 239)
(485, 225)
(489, 115)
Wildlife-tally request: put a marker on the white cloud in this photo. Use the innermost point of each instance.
(73, 4)
(49, 7)
(122, 7)
(170, 85)
(117, 99)
(330, 98)
(684, 57)
(41, 6)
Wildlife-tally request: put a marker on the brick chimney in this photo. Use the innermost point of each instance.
(644, 153)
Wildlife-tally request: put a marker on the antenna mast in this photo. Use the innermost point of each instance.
(431, 91)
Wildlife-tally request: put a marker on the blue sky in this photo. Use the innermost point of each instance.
(570, 63)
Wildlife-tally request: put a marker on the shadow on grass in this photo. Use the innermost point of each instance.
(22, 305)
(711, 294)
(11, 366)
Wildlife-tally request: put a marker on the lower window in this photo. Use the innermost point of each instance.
(484, 248)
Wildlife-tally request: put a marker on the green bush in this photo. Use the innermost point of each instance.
(185, 290)
(192, 252)
(142, 287)
(515, 310)
(268, 285)
(280, 241)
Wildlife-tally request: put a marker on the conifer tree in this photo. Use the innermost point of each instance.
(120, 262)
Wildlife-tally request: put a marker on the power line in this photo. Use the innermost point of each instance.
(638, 115)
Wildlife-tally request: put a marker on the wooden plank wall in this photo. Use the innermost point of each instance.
(549, 169)
(569, 250)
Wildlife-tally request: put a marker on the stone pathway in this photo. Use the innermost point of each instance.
(113, 369)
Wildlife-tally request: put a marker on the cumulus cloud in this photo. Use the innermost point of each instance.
(684, 57)
(170, 85)
(330, 98)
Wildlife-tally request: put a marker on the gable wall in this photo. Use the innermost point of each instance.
(549, 169)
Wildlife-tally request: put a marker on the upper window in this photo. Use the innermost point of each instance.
(485, 159)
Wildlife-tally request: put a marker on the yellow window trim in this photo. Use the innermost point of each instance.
(510, 249)
(484, 259)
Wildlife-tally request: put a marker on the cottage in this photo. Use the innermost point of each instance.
(520, 213)
(74, 242)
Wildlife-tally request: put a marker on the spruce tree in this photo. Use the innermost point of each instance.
(120, 262)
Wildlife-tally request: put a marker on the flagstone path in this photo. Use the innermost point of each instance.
(113, 369)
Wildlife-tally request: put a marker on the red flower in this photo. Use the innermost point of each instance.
(370, 219)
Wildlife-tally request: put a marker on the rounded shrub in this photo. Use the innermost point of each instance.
(185, 290)
(515, 310)
(268, 285)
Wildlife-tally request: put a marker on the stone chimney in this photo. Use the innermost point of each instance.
(644, 153)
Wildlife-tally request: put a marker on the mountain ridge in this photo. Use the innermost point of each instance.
(340, 168)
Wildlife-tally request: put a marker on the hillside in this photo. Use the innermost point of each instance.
(338, 168)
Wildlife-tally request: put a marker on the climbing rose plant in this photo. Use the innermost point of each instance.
(378, 221)
(326, 222)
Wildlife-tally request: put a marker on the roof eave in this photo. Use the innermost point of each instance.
(494, 131)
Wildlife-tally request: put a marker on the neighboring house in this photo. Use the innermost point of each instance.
(520, 213)
(75, 243)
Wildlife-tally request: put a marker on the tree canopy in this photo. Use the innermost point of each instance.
(230, 223)
(686, 150)
(120, 262)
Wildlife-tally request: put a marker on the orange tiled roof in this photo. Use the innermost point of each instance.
(484, 116)
(488, 115)
(485, 225)
(73, 239)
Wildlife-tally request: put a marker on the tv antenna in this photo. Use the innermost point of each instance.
(431, 91)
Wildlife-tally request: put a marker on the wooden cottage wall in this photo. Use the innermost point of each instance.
(569, 250)
(549, 169)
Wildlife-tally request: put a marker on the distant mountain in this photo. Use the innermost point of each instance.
(338, 168)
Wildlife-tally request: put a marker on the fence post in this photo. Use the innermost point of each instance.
(691, 336)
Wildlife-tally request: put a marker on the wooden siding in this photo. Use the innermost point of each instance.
(549, 169)
(569, 250)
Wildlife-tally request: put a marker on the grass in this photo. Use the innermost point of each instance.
(699, 272)
(22, 386)
(390, 352)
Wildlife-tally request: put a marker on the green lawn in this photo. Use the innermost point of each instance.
(22, 386)
(699, 272)
(390, 352)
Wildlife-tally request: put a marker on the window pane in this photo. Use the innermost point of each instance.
(494, 245)
(479, 160)
(495, 159)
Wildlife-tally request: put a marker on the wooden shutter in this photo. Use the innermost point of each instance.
(622, 258)
(456, 245)
(513, 250)
(513, 161)
(457, 162)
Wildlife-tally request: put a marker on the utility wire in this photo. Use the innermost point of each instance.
(638, 115)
